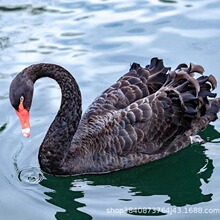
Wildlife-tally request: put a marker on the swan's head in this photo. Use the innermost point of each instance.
(20, 94)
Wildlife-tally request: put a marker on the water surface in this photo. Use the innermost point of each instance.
(96, 41)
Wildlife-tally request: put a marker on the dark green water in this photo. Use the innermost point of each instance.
(96, 41)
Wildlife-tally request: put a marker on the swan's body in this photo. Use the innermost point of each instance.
(147, 114)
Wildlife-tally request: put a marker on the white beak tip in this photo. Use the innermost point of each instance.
(26, 132)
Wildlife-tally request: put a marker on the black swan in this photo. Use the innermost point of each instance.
(149, 113)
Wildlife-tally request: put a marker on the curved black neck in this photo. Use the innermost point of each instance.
(57, 141)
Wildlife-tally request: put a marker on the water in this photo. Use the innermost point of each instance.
(96, 41)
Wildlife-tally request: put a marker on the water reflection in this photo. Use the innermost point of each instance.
(2, 127)
(168, 1)
(178, 178)
(13, 8)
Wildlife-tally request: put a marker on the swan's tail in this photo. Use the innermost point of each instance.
(193, 103)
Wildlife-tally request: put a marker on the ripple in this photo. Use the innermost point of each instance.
(16, 8)
(203, 33)
(4, 41)
(2, 127)
(31, 175)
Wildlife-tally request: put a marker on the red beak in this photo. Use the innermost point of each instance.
(24, 116)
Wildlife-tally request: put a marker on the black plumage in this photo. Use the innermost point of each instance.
(147, 114)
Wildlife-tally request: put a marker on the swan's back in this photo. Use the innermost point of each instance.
(147, 114)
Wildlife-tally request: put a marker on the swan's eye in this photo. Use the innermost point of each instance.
(21, 105)
(22, 99)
